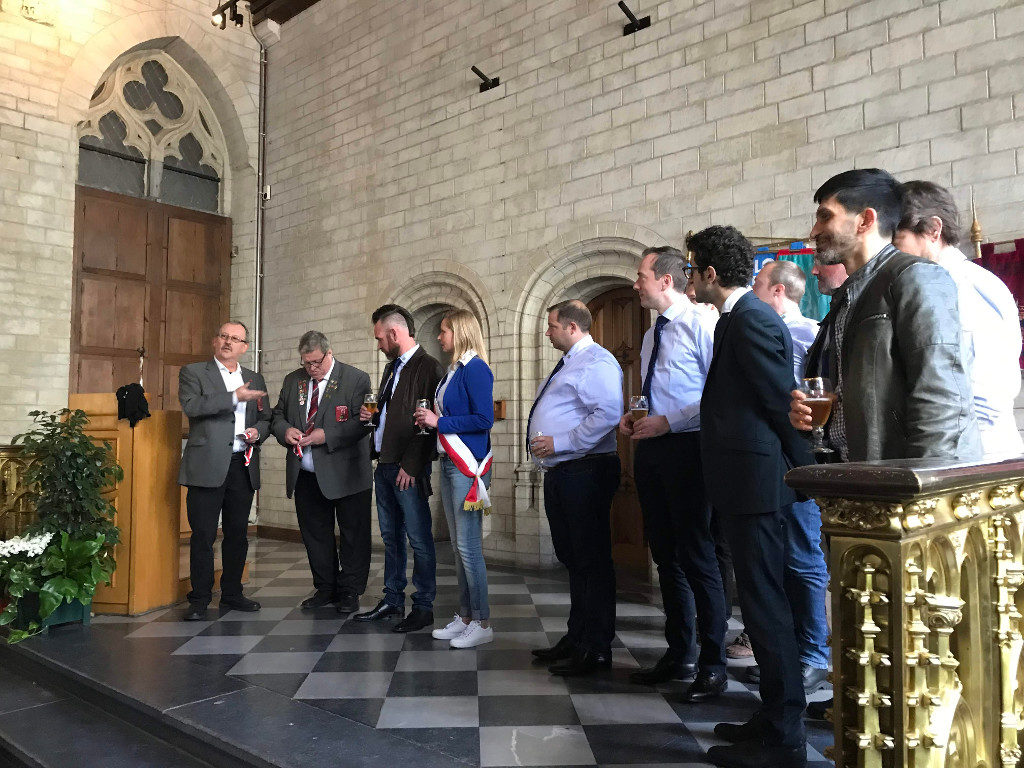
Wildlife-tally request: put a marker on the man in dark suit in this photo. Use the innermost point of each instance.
(402, 477)
(747, 445)
(228, 417)
(328, 470)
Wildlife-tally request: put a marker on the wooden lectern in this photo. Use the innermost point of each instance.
(148, 503)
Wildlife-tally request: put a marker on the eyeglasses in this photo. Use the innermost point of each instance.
(313, 363)
(232, 339)
(688, 271)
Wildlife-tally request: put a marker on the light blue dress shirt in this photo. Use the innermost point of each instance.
(581, 407)
(378, 434)
(682, 366)
(803, 330)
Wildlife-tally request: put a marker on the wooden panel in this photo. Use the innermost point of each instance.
(106, 374)
(619, 326)
(117, 239)
(191, 321)
(190, 253)
(113, 312)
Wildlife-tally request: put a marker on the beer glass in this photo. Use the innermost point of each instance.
(370, 402)
(423, 404)
(820, 397)
(637, 408)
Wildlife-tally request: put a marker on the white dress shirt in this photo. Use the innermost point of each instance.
(233, 380)
(682, 366)
(378, 435)
(306, 461)
(734, 297)
(581, 407)
(803, 330)
(991, 336)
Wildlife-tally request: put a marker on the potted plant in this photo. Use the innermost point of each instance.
(50, 575)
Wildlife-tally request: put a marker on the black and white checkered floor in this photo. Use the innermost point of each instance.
(488, 706)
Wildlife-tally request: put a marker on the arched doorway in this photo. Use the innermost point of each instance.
(619, 325)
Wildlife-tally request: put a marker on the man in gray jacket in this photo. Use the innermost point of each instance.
(328, 469)
(229, 417)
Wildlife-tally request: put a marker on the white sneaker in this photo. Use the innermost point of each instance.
(475, 634)
(455, 628)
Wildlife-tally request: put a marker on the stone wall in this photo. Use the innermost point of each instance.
(49, 68)
(394, 178)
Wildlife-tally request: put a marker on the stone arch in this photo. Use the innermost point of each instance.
(217, 74)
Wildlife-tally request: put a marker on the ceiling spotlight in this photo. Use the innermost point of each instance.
(227, 11)
(218, 20)
(236, 17)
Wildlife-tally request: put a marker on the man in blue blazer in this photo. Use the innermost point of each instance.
(747, 445)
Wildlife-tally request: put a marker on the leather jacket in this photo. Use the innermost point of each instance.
(905, 392)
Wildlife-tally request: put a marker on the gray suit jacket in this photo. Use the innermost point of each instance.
(342, 463)
(208, 404)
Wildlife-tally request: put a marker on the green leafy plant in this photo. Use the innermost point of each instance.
(68, 476)
(67, 569)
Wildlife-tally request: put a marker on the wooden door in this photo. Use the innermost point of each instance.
(619, 325)
(151, 280)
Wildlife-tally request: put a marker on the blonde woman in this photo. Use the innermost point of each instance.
(463, 416)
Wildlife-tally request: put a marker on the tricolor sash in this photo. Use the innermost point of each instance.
(468, 465)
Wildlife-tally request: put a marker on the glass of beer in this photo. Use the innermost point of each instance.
(637, 408)
(370, 402)
(423, 404)
(820, 397)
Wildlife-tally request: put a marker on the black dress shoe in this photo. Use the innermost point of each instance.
(708, 685)
(195, 613)
(239, 603)
(813, 677)
(418, 618)
(560, 651)
(748, 731)
(318, 600)
(667, 668)
(816, 709)
(382, 610)
(347, 604)
(582, 663)
(757, 754)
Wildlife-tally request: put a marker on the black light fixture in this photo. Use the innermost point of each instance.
(488, 82)
(225, 11)
(635, 24)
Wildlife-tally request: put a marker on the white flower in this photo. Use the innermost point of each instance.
(33, 546)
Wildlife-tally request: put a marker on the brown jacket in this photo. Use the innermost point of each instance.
(417, 380)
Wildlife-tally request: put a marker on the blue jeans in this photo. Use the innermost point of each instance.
(466, 527)
(806, 582)
(403, 514)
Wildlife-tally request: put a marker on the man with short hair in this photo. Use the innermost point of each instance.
(228, 418)
(675, 355)
(781, 285)
(328, 470)
(571, 431)
(930, 227)
(747, 445)
(891, 342)
(402, 477)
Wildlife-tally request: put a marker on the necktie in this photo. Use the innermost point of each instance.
(659, 326)
(533, 407)
(314, 402)
(389, 387)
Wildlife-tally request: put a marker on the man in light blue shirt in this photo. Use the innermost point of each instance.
(571, 427)
(675, 357)
(781, 285)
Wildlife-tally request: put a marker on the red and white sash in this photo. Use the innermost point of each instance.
(468, 465)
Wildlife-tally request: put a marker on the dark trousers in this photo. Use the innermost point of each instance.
(758, 544)
(230, 502)
(340, 569)
(578, 501)
(677, 521)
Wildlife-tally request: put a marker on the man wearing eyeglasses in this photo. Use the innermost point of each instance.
(328, 470)
(229, 417)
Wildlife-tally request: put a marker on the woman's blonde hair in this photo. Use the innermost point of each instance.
(466, 333)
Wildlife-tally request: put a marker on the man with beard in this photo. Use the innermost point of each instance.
(891, 340)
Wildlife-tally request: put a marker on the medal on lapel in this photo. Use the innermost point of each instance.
(303, 388)
(341, 413)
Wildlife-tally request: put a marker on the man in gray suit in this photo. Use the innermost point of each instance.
(229, 417)
(328, 470)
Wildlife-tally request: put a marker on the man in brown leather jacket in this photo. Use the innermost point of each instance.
(402, 477)
(891, 340)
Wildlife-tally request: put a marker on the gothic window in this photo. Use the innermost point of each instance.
(150, 132)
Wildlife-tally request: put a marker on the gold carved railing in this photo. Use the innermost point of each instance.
(926, 564)
(15, 511)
